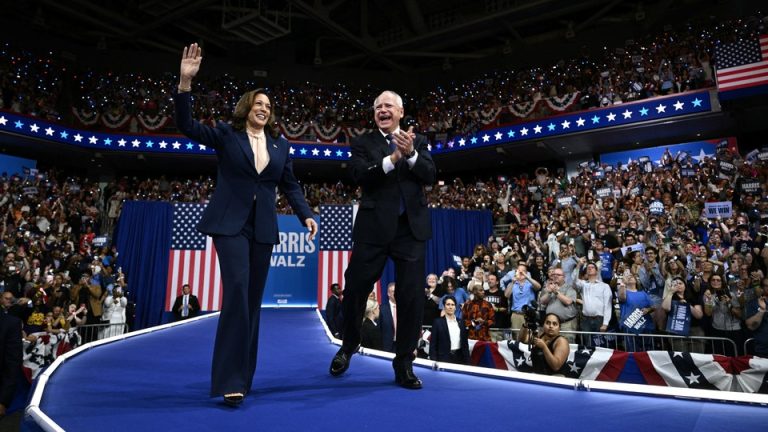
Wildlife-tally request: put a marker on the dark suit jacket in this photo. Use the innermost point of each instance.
(333, 315)
(377, 217)
(194, 306)
(370, 335)
(238, 184)
(387, 325)
(10, 356)
(440, 341)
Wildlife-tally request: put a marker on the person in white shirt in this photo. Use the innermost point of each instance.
(596, 299)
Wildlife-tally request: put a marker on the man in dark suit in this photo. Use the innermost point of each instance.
(186, 305)
(10, 358)
(392, 166)
(333, 315)
(387, 319)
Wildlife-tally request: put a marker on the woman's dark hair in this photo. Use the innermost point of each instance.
(442, 287)
(452, 298)
(243, 107)
(559, 321)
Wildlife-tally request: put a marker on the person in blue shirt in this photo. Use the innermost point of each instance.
(636, 314)
(521, 290)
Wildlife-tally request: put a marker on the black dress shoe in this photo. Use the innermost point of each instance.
(233, 399)
(404, 376)
(340, 362)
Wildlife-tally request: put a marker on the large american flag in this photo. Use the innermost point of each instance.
(336, 222)
(742, 64)
(192, 259)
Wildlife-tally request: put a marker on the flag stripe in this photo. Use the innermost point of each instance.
(742, 64)
(745, 83)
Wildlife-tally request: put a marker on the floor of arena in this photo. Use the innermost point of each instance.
(159, 381)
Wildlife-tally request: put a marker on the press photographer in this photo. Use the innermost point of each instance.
(549, 350)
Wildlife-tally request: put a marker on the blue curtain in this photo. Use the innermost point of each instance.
(144, 243)
(454, 232)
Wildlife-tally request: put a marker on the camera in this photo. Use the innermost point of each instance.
(531, 315)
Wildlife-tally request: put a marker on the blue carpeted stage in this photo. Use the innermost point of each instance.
(159, 382)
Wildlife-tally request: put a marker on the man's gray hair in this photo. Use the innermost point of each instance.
(398, 99)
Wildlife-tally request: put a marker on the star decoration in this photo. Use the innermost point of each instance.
(678, 354)
(3, 120)
(34, 128)
(190, 146)
(18, 124)
(462, 142)
(511, 134)
(627, 114)
(643, 112)
(580, 122)
(595, 119)
(692, 378)
(163, 144)
(566, 124)
(79, 138)
(49, 131)
(498, 136)
(303, 151)
(429, 146)
(121, 142)
(678, 105)
(537, 129)
(149, 144)
(520, 361)
(176, 145)
(108, 141)
(524, 131)
(339, 153)
(611, 117)
(93, 140)
(574, 368)
(315, 152)
(63, 134)
(473, 140)
(135, 142)
(551, 127)
(697, 102)
(291, 150)
(486, 137)
(201, 147)
(661, 108)
(327, 153)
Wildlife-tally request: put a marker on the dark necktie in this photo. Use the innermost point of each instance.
(392, 147)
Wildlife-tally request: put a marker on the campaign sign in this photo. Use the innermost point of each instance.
(564, 201)
(750, 185)
(292, 279)
(635, 247)
(687, 172)
(604, 192)
(635, 321)
(679, 319)
(720, 209)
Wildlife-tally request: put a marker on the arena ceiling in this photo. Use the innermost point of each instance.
(403, 36)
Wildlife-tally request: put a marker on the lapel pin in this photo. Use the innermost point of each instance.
(274, 145)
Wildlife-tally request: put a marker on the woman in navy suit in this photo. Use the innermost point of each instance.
(449, 341)
(241, 217)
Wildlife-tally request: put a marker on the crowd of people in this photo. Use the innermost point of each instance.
(675, 60)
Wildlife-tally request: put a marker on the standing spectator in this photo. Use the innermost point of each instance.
(559, 298)
(757, 323)
(596, 297)
(388, 319)
(521, 291)
(10, 359)
(724, 308)
(333, 311)
(114, 313)
(186, 305)
(478, 316)
(431, 309)
(449, 341)
(495, 296)
(636, 312)
(370, 333)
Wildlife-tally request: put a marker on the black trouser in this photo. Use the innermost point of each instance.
(365, 269)
(244, 266)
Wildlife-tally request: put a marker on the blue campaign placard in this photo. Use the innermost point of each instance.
(292, 279)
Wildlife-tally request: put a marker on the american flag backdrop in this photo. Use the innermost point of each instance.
(336, 222)
(192, 259)
(742, 64)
